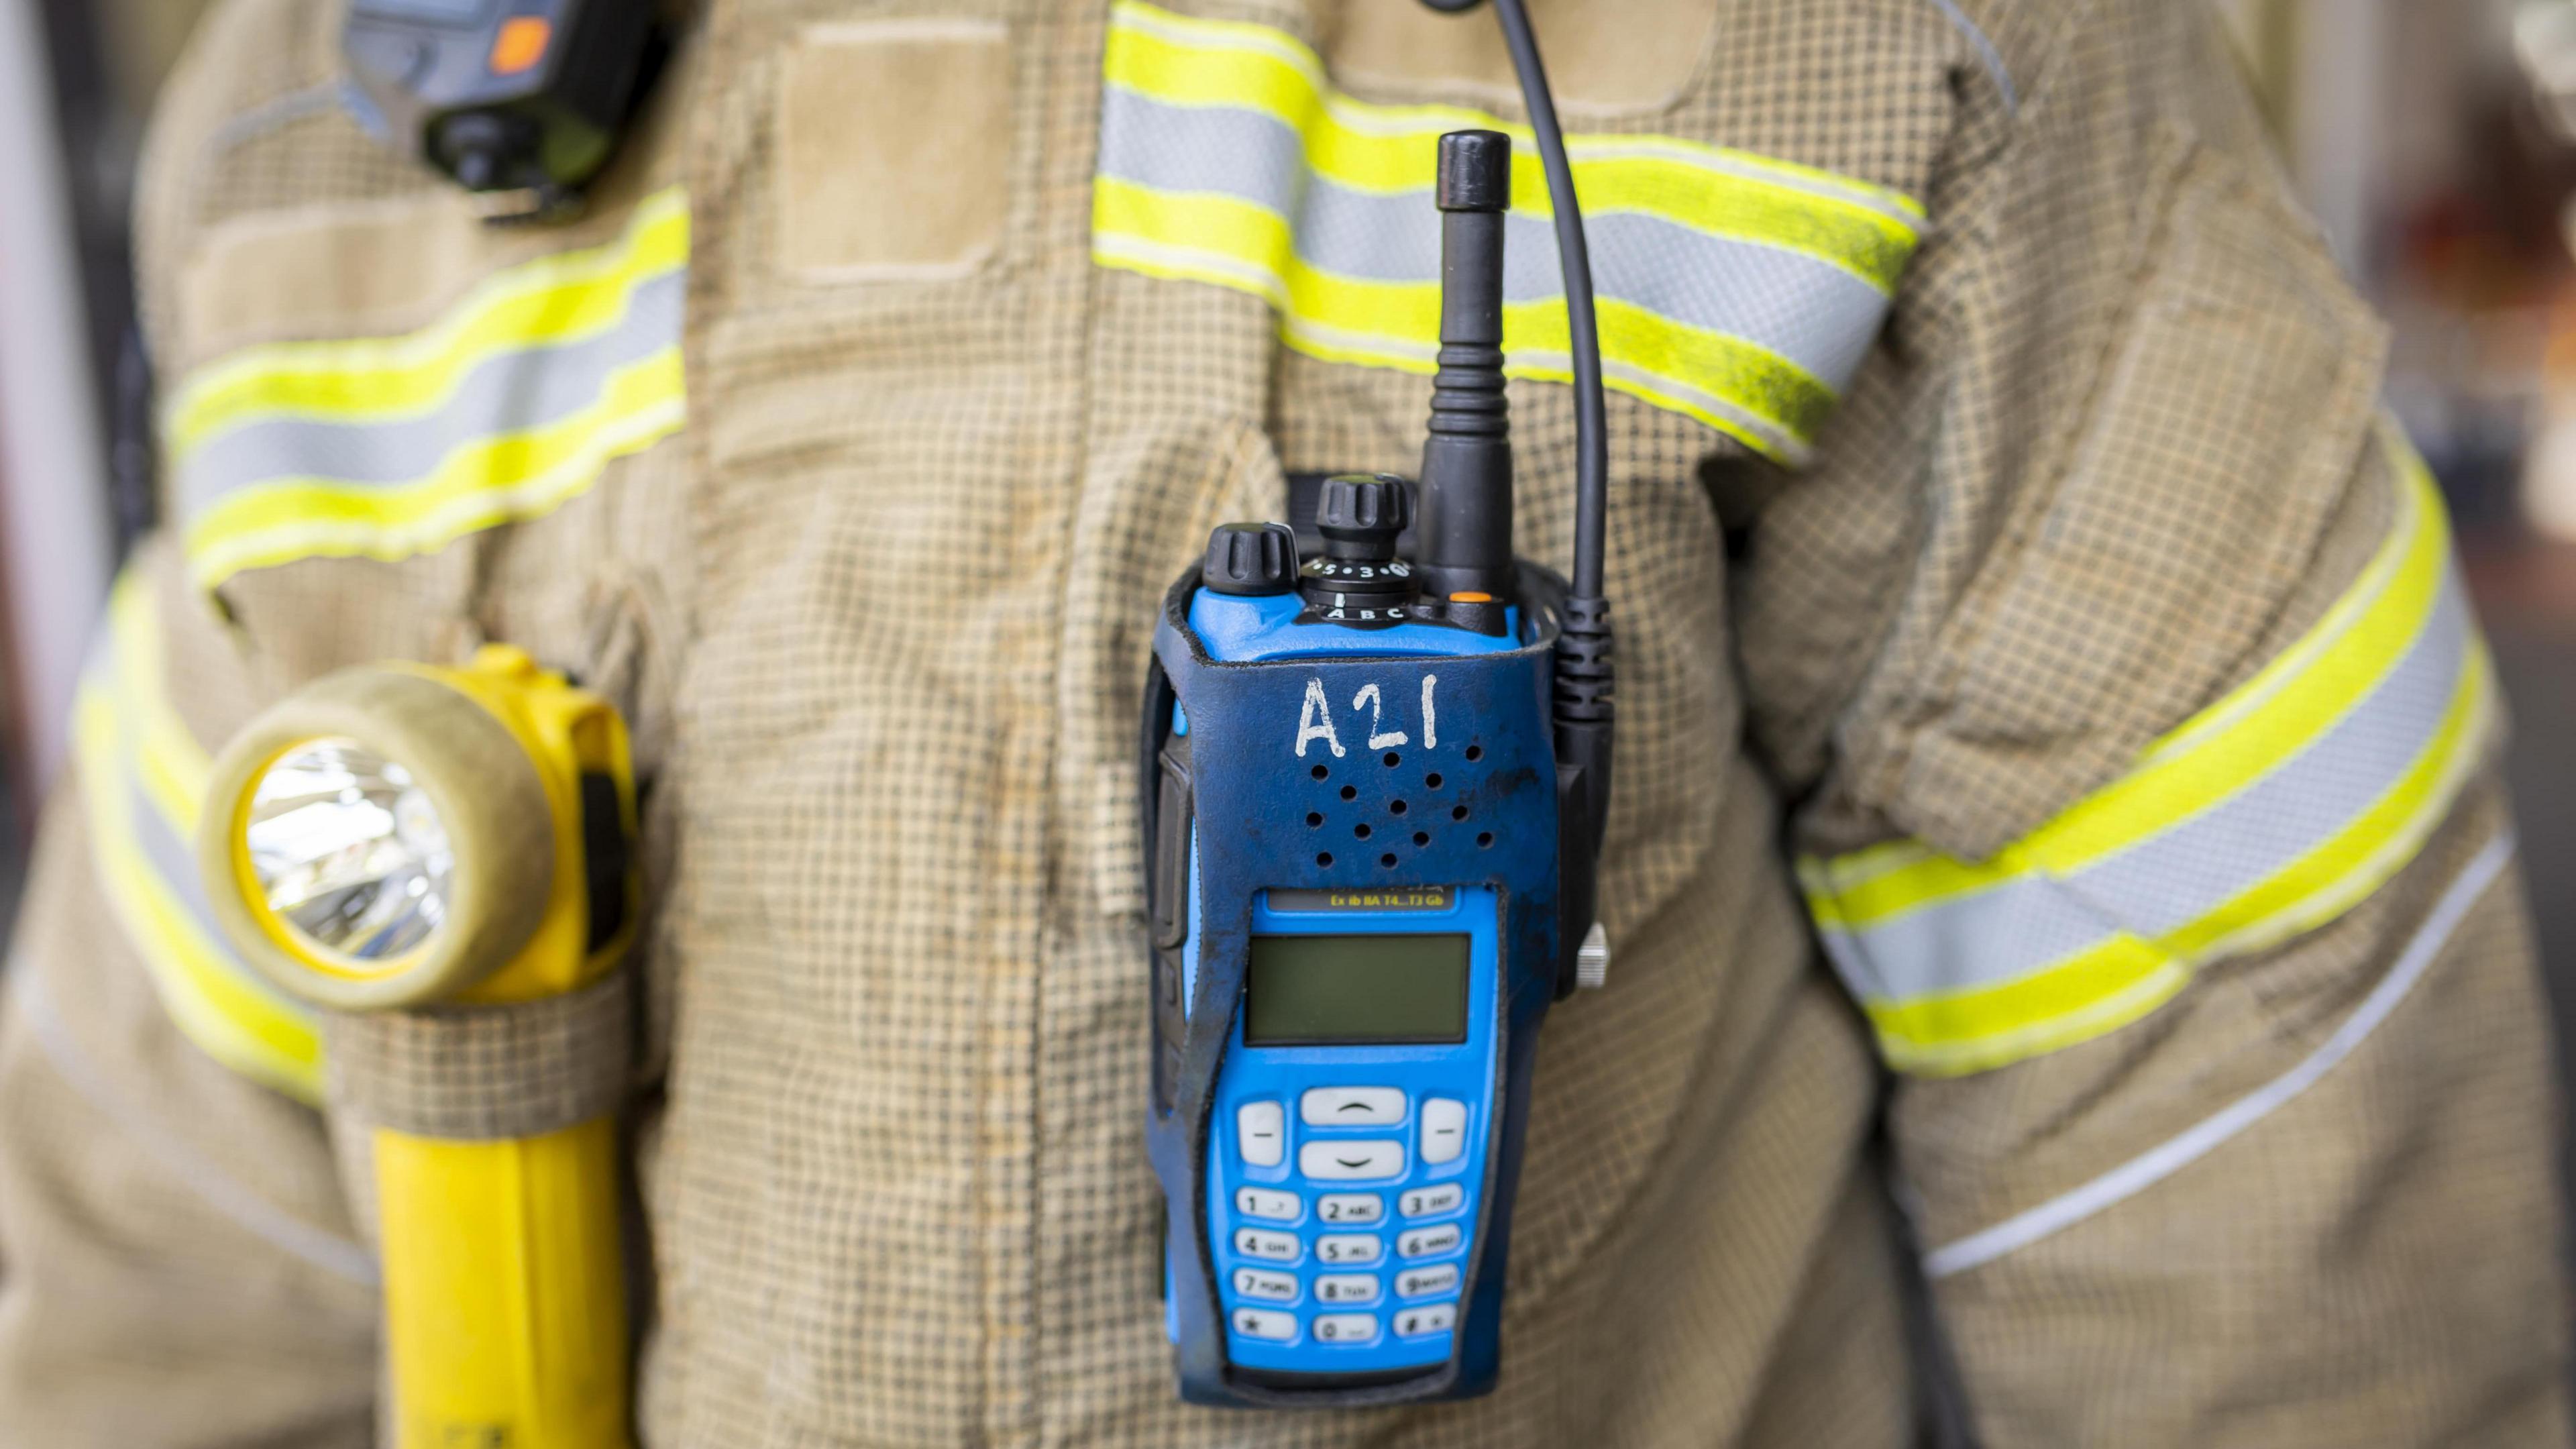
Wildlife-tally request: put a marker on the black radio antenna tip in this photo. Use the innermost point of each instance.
(1475, 171)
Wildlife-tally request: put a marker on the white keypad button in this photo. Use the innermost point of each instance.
(1262, 1243)
(1345, 1327)
(1347, 1248)
(1350, 1161)
(1431, 1202)
(1265, 1202)
(1346, 1288)
(1423, 1282)
(1429, 1318)
(1261, 1131)
(1350, 1207)
(1444, 1130)
(1429, 1242)
(1351, 1107)
(1262, 1283)
(1267, 1323)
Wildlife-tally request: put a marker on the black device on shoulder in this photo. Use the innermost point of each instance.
(518, 101)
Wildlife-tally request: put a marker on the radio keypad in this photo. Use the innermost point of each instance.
(1350, 1207)
(1346, 1288)
(1267, 1323)
(1423, 1282)
(1425, 1290)
(1263, 1283)
(1345, 1327)
(1431, 1202)
(1263, 1202)
(1262, 1243)
(1429, 1242)
(1348, 1248)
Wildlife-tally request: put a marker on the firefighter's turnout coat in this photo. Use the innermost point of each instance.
(2057, 861)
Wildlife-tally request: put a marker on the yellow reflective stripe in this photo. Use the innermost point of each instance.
(2359, 859)
(1733, 289)
(2265, 816)
(2125, 977)
(169, 764)
(549, 300)
(508, 406)
(511, 475)
(1233, 243)
(2105, 988)
(2218, 751)
(213, 998)
(1190, 62)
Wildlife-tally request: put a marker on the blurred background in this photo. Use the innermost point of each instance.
(2435, 140)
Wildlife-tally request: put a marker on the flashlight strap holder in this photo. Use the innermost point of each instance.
(486, 1073)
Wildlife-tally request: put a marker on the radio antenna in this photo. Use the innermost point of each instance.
(1583, 646)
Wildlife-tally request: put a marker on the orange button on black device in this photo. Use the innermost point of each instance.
(521, 44)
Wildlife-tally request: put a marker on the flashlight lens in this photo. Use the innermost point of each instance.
(349, 851)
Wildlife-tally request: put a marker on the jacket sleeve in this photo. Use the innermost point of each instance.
(2160, 844)
(177, 1265)
(178, 1262)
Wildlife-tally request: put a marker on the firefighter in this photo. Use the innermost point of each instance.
(2058, 867)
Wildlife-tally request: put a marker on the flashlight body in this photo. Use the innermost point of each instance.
(504, 1292)
(505, 1305)
(505, 1295)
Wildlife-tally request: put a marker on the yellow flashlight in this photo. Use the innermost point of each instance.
(399, 836)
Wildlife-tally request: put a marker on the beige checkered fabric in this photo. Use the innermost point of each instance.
(879, 616)
(482, 1073)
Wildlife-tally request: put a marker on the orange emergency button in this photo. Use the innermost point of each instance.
(1471, 597)
(521, 43)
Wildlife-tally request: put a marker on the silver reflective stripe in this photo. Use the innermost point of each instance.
(508, 392)
(175, 862)
(219, 1189)
(2173, 1155)
(2178, 876)
(1806, 310)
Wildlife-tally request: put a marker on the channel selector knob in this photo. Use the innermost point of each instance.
(1361, 514)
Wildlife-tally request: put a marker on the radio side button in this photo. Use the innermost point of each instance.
(1261, 1131)
(1444, 1130)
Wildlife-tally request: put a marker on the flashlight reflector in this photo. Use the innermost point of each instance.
(349, 851)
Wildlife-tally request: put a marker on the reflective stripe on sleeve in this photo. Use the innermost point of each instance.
(2268, 814)
(1737, 290)
(143, 781)
(503, 409)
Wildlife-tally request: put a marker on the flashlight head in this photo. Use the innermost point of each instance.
(349, 852)
(381, 839)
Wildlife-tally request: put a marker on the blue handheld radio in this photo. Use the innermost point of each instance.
(1374, 789)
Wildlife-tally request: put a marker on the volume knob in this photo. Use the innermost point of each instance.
(1250, 558)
